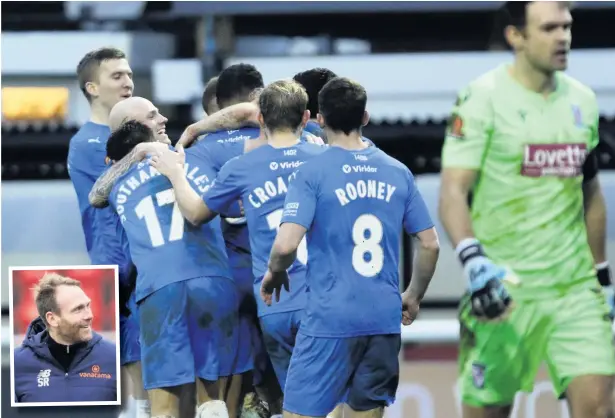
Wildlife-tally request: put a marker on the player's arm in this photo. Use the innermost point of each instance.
(418, 224)
(595, 211)
(192, 207)
(99, 195)
(466, 141)
(299, 210)
(465, 146)
(284, 250)
(232, 117)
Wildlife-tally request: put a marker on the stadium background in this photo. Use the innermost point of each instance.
(411, 56)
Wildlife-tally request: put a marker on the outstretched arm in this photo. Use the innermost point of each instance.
(232, 117)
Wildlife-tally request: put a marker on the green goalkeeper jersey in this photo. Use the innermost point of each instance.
(527, 205)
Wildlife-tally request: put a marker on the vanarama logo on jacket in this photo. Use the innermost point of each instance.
(39, 376)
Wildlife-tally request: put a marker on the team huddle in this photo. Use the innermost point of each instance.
(259, 257)
(210, 235)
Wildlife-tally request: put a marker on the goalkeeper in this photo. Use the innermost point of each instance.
(521, 147)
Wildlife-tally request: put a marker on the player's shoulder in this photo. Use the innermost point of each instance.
(104, 346)
(238, 164)
(92, 134)
(575, 87)
(485, 84)
(311, 149)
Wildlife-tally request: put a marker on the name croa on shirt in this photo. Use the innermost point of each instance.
(146, 173)
(561, 160)
(269, 190)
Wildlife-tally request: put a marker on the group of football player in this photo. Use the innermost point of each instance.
(259, 257)
(204, 321)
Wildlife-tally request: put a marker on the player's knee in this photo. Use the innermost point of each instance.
(489, 411)
(371, 413)
(595, 405)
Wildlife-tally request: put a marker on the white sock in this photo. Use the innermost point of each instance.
(212, 409)
(129, 408)
(276, 416)
(142, 409)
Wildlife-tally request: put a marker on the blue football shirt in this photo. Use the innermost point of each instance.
(355, 205)
(164, 248)
(86, 162)
(260, 178)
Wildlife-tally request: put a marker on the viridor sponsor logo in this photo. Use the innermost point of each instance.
(284, 165)
(234, 139)
(347, 169)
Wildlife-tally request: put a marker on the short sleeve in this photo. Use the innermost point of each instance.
(300, 203)
(468, 130)
(226, 189)
(416, 215)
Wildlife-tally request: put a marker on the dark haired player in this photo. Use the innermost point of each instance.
(209, 101)
(522, 144)
(353, 201)
(313, 81)
(183, 278)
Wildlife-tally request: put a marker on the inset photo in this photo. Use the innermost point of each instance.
(65, 347)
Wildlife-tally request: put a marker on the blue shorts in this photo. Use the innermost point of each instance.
(188, 330)
(130, 349)
(279, 333)
(324, 372)
(244, 361)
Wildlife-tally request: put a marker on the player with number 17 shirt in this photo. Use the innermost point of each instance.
(187, 298)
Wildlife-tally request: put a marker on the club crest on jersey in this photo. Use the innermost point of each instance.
(478, 375)
(578, 117)
(553, 160)
(455, 126)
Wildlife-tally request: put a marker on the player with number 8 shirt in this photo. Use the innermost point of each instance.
(260, 179)
(353, 201)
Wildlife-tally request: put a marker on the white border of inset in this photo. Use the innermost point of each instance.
(117, 336)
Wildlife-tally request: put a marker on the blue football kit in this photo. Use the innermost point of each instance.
(186, 295)
(354, 205)
(260, 179)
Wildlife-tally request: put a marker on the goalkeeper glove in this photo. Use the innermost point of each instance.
(488, 296)
(603, 271)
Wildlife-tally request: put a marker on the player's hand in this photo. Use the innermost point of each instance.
(603, 271)
(145, 149)
(489, 298)
(273, 283)
(410, 308)
(188, 136)
(313, 139)
(168, 162)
